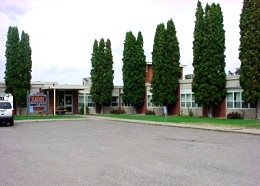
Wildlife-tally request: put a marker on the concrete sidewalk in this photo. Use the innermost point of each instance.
(193, 126)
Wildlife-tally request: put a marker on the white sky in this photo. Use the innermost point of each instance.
(62, 32)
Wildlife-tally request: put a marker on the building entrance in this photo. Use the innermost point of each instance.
(66, 100)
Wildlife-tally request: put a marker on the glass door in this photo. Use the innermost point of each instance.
(68, 104)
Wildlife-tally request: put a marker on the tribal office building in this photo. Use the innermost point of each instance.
(72, 97)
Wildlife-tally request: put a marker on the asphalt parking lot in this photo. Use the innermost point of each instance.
(95, 151)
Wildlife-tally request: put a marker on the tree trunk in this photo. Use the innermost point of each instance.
(135, 109)
(101, 109)
(17, 109)
(258, 109)
(210, 110)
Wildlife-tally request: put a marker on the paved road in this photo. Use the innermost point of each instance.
(102, 152)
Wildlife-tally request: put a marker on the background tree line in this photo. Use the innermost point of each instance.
(209, 83)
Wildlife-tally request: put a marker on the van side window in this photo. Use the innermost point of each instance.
(5, 105)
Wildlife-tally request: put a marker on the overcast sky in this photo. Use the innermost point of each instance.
(62, 32)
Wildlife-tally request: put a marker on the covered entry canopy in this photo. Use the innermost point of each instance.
(59, 97)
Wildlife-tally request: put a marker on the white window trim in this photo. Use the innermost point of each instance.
(240, 101)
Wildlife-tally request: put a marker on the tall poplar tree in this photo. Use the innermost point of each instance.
(134, 70)
(166, 65)
(249, 54)
(11, 54)
(198, 47)
(108, 72)
(158, 58)
(18, 66)
(209, 85)
(24, 69)
(102, 74)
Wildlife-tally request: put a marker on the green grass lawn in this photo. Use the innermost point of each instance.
(191, 120)
(47, 117)
(172, 119)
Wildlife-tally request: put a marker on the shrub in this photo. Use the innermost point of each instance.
(82, 110)
(117, 112)
(243, 114)
(181, 113)
(234, 115)
(149, 112)
(190, 111)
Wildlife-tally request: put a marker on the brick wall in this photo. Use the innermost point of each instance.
(75, 101)
(149, 73)
(218, 110)
(175, 108)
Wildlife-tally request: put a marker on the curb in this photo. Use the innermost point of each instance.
(166, 124)
(189, 126)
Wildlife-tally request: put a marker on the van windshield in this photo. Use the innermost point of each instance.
(5, 105)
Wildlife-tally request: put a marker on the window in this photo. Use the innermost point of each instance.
(113, 102)
(234, 100)
(89, 102)
(125, 104)
(5, 105)
(187, 100)
(149, 103)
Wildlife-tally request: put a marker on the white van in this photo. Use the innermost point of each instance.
(6, 113)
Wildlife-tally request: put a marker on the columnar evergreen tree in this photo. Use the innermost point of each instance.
(128, 66)
(158, 59)
(198, 47)
(11, 54)
(209, 83)
(95, 89)
(24, 69)
(134, 70)
(102, 74)
(249, 54)
(18, 66)
(166, 65)
(108, 72)
(172, 63)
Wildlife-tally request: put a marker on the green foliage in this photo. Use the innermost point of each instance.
(234, 115)
(134, 69)
(190, 111)
(181, 113)
(249, 54)
(18, 65)
(102, 73)
(24, 69)
(209, 83)
(149, 112)
(11, 54)
(81, 111)
(198, 38)
(165, 63)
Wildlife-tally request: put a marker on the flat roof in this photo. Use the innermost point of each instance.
(65, 87)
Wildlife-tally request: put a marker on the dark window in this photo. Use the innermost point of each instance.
(5, 105)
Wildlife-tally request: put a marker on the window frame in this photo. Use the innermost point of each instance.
(188, 102)
(237, 102)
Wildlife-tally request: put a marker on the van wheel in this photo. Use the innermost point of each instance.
(12, 122)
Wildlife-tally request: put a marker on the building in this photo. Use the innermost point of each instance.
(72, 97)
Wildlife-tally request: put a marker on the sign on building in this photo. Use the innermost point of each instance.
(37, 102)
